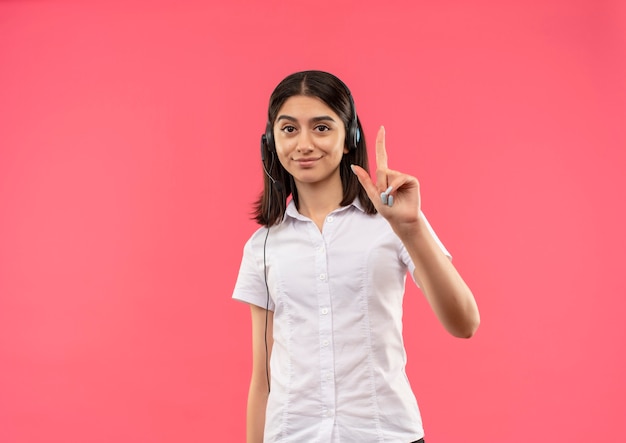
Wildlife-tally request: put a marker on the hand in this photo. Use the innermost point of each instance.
(395, 195)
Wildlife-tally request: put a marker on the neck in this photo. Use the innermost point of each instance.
(317, 200)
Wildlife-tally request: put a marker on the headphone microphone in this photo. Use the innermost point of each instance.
(277, 185)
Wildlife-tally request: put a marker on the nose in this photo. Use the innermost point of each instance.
(304, 142)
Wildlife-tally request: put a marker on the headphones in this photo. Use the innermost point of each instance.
(353, 133)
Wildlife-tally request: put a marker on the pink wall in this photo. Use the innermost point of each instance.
(129, 160)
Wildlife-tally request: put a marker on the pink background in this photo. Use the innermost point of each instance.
(129, 136)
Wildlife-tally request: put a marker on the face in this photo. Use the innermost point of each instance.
(310, 140)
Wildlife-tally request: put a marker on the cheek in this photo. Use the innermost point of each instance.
(283, 153)
(284, 147)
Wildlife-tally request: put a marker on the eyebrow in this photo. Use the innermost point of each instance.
(321, 118)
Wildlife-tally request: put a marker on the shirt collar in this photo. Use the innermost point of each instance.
(292, 212)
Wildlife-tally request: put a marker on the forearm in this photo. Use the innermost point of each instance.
(262, 343)
(255, 417)
(444, 288)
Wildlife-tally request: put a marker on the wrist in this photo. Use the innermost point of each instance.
(411, 231)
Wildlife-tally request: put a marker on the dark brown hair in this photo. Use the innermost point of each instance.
(270, 207)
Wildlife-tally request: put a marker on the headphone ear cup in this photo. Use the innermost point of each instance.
(269, 138)
(263, 146)
(354, 135)
(354, 132)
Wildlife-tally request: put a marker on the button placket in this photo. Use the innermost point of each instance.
(325, 324)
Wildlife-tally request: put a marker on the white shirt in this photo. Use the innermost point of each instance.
(338, 360)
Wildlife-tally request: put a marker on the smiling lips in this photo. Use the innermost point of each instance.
(306, 162)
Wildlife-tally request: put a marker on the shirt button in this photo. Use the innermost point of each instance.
(324, 311)
(330, 219)
(325, 343)
(322, 276)
(320, 249)
(328, 376)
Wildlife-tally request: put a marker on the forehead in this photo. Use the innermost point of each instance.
(306, 106)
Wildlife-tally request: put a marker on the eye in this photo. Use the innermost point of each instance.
(322, 128)
(288, 129)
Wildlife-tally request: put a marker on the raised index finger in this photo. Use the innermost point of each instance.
(381, 153)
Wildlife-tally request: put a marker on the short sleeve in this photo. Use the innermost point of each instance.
(250, 286)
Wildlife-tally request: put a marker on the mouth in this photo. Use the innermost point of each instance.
(306, 162)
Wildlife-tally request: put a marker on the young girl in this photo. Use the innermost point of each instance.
(325, 274)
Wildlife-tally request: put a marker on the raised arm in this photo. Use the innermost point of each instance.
(396, 196)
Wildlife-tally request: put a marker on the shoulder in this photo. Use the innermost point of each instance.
(256, 239)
